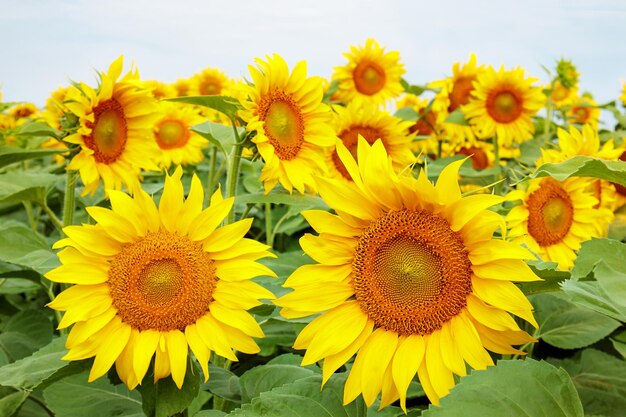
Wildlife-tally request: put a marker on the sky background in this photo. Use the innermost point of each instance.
(47, 43)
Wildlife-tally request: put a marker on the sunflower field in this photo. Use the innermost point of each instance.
(288, 245)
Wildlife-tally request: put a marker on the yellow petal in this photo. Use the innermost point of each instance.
(192, 206)
(406, 362)
(449, 353)
(465, 209)
(489, 316)
(236, 318)
(496, 249)
(94, 239)
(468, 342)
(83, 274)
(208, 220)
(326, 251)
(505, 269)
(199, 349)
(177, 352)
(333, 362)
(447, 185)
(504, 295)
(241, 269)
(316, 297)
(227, 236)
(113, 224)
(171, 201)
(325, 222)
(118, 334)
(440, 377)
(161, 361)
(315, 273)
(212, 336)
(145, 346)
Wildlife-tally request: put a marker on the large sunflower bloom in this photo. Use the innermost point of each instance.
(555, 217)
(371, 123)
(371, 74)
(172, 132)
(502, 104)
(156, 281)
(291, 122)
(114, 133)
(409, 279)
(455, 92)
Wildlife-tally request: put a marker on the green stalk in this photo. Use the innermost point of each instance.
(496, 152)
(211, 185)
(269, 237)
(69, 201)
(218, 402)
(232, 177)
(53, 217)
(548, 120)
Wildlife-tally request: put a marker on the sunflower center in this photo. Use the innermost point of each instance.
(559, 92)
(550, 213)
(210, 87)
(581, 114)
(411, 272)
(369, 78)
(171, 134)
(479, 156)
(162, 281)
(504, 106)
(108, 131)
(424, 126)
(460, 93)
(350, 138)
(618, 187)
(283, 124)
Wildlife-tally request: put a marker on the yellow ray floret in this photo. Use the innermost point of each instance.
(409, 278)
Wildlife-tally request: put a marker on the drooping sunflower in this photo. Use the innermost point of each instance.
(555, 217)
(172, 133)
(114, 134)
(292, 123)
(409, 278)
(584, 110)
(586, 142)
(371, 74)
(502, 104)
(371, 123)
(154, 282)
(455, 92)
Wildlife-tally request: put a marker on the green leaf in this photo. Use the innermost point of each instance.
(600, 380)
(224, 384)
(550, 276)
(277, 333)
(304, 398)
(593, 251)
(210, 413)
(22, 246)
(75, 397)
(283, 266)
(30, 186)
(301, 202)
(10, 285)
(584, 166)
(12, 402)
(512, 389)
(223, 104)
(266, 377)
(457, 117)
(219, 135)
(593, 296)
(163, 398)
(407, 113)
(28, 373)
(24, 333)
(12, 154)
(567, 325)
(414, 89)
(33, 129)
(619, 343)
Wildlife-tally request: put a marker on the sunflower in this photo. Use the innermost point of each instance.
(426, 125)
(555, 217)
(502, 104)
(455, 92)
(562, 96)
(23, 111)
(172, 133)
(368, 121)
(584, 110)
(160, 90)
(114, 133)
(208, 82)
(371, 74)
(409, 278)
(586, 142)
(291, 122)
(156, 281)
(182, 86)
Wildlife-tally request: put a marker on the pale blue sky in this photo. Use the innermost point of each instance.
(46, 43)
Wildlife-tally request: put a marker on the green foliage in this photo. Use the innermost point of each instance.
(584, 166)
(12, 154)
(22, 246)
(600, 380)
(26, 186)
(266, 377)
(304, 398)
(457, 117)
(570, 326)
(512, 388)
(75, 397)
(219, 135)
(164, 398)
(23, 334)
(223, 104)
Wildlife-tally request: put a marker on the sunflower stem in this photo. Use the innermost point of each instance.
(69, 201)
(548, 120)
(439, 148)
(269, 233)
(218, 402)
(211, 184)
(496, 152)
(53, 217)
(233, 171)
